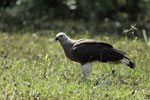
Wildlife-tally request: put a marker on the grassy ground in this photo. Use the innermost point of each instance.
(34, 67)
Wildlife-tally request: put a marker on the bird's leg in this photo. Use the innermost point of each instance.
(86, 68)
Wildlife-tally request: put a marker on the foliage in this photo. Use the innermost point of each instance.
(130, 31)
(33, 66)
(147, 40)
(84, 9)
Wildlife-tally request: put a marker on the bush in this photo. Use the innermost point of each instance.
(84, 9)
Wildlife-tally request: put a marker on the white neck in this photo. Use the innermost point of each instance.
(67, 41)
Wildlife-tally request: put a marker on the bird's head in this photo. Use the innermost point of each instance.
(61, 37)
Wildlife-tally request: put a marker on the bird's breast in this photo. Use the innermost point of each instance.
(68, 52)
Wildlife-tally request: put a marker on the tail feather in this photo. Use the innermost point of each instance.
(128, 62)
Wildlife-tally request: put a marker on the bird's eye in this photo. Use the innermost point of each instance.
(61, 36)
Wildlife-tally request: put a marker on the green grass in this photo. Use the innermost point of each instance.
(34, 67)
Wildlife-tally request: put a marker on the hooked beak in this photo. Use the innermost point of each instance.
(56, 38)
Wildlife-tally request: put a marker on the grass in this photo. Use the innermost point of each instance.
(33, 66)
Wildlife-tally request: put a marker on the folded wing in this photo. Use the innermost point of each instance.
(90, 50)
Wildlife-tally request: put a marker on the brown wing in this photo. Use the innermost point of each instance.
(87, 51)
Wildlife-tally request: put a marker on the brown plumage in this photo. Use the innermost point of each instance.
(86, 50)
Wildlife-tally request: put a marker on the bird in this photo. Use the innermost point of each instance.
(86, 51)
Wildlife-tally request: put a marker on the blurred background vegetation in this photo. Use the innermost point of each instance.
(100, 15)
(32, 64)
